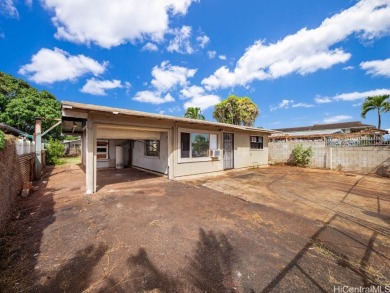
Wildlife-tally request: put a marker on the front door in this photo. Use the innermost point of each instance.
(228, 149)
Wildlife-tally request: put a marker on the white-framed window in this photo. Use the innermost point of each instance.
(256, 142)
(152, 148)
(196, 145)
(102, 149)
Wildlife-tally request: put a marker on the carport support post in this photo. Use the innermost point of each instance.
(38, 147)
(90, 160)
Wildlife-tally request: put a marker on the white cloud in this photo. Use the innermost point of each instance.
(7, 7)
(153, 97)
(28, 3)
(99, 87)
(336, 119)
(203, 41)
(377, 67)
(322, 100)
(348, 68)
(150, 47)
(181, 43)
(308, 50)
(222, 57)
(49, 66)
(167, 76)
(284, 104)
(198, 97)
(302, 105)
(211, 54)
(115, 22)
(203, 102)
(360, 95)
(357, 105)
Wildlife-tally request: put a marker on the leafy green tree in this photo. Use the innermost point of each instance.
(20, 104)
(194, 113)
(55, 150)
(379, 103)
(236, 110)
(2, 140)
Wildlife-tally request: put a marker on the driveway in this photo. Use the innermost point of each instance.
(257, 230)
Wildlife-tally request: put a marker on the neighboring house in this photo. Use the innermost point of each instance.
(173, 146)
(72, 147)
(333, 128)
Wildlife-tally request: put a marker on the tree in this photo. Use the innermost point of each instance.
(379, 103)
(20, 104)
(194, 113)
(236, 110)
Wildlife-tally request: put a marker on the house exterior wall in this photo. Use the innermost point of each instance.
(158, 164)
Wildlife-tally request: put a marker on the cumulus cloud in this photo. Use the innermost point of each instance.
(198, 97)
(49, 66)
(211, 54)
(377, 67)
(336, 119)
(222, 57)
(99, 87)
(308, 50)
(153, 97)
(167, 76)
(181, 43)
(115, 22)
(150, 47)
(203, 41)
(8, 8)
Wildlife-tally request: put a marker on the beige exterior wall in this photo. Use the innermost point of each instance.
(158, 164)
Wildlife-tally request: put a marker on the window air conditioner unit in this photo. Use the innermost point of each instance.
(215, 153)
(253, 139)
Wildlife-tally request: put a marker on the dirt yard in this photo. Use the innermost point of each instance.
(259, 230)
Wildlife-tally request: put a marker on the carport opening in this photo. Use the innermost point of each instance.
(124, 160)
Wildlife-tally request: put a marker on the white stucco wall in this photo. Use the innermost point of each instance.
(158, 164)
(244, 156)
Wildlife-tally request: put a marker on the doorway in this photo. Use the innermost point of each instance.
(228, 151)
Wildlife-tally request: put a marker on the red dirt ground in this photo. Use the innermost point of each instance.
(260, 230)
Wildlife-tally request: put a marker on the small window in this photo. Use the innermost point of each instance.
(152, 148)
(257, 142)
(102, 149)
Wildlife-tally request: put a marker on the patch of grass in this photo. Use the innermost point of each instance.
(71, 160)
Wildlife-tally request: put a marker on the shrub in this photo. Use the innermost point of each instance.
(54, 152)
(302, 156)
(2, 140)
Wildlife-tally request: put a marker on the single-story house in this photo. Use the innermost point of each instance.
(173, 146)
(72, 147)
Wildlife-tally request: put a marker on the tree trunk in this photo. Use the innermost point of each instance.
(379, 118)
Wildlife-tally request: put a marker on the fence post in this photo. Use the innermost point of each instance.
(331, 157)
(38, 147)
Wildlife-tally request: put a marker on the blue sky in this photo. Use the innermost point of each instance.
(302, 62)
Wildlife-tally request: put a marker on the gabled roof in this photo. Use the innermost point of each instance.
(343, 125)
(116, 111)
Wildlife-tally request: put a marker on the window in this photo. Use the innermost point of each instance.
(197, 145)
(152, 148)
(102, 149)
(257, 142)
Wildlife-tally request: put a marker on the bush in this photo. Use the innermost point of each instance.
(54, 152)
(301, 156)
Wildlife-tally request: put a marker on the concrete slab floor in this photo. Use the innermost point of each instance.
(257, 230)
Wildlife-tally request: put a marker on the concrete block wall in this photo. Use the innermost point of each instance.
(353, 159)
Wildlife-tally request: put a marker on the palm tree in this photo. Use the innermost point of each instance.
(194, 113)
(380, 103)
